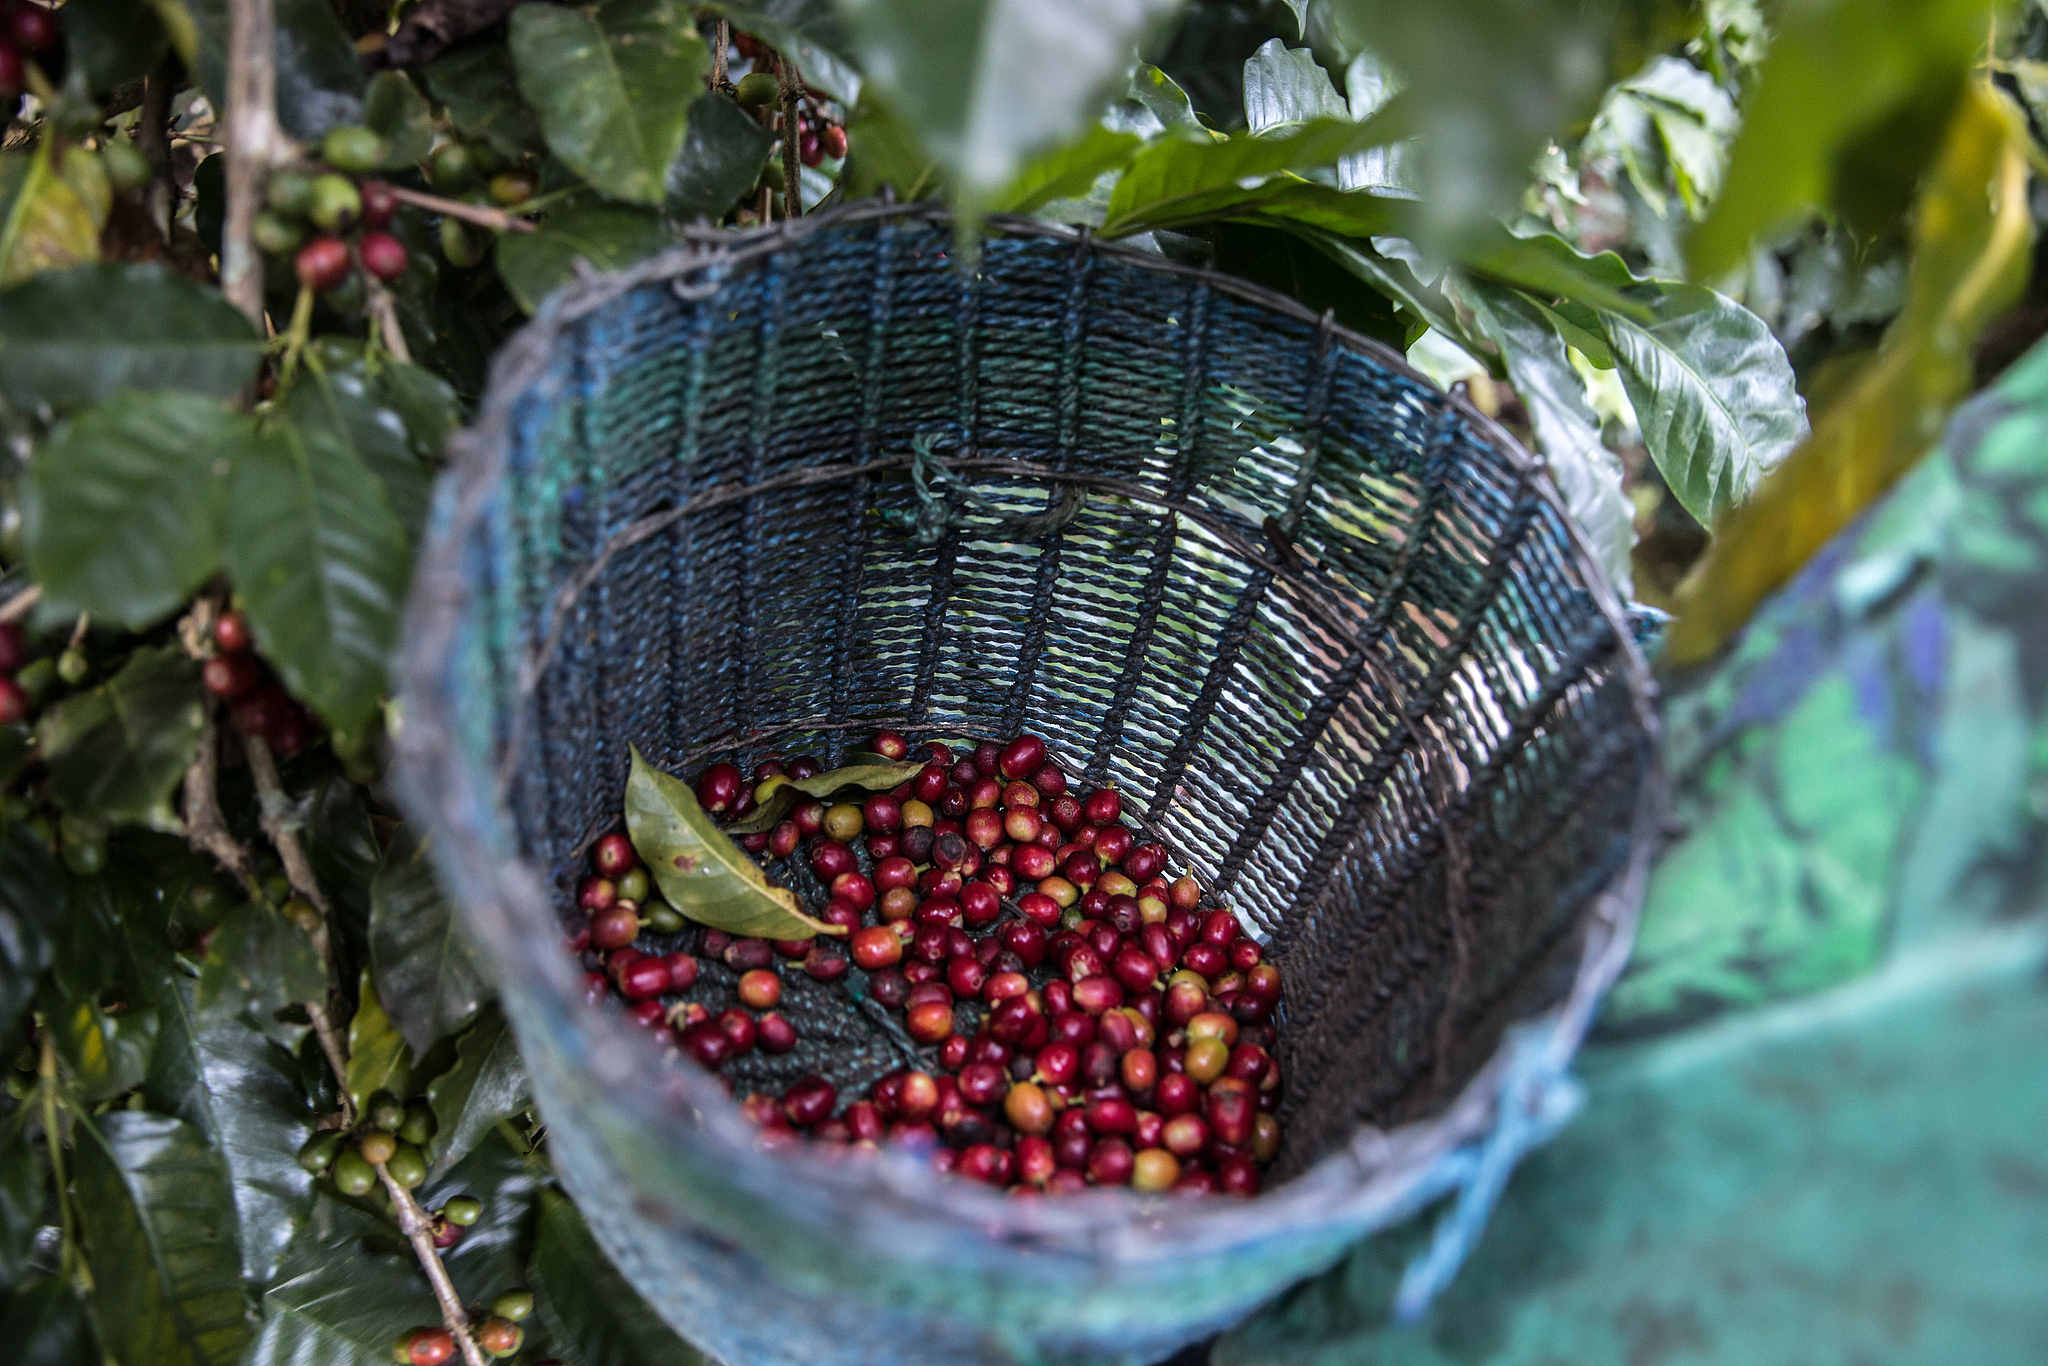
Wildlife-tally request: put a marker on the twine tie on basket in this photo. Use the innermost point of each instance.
(943, 498)
(1537, 1098)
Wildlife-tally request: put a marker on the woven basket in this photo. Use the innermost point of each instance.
(1327, 629)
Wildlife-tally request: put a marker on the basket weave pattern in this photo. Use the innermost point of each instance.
(1328, 629)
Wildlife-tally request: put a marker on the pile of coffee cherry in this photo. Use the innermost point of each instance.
(1085, 1020)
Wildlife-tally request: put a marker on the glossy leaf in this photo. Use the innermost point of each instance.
(1067, 172)
(156, 1210)
(587, 1305)
(72, 337)
(477, 83)
(1546, 266)
(347, 410)
(32, 907)
(24, 1195)
(1164, 103)
(257, 964)
(883, 153)
(1586, 473)
(127, 505)
(1284, 85)
(111, 969)
(613, 85)
(722, 156)
(486, 1084)
(789, 792)
(49, 220)
(1970, 261)
(1840, 107)
(699, 869)
(241, 1092)
(118, 750)
(1493, 82)
(1275, 257)
(395, 110)
(419, 958)
(608, 236)
(321, 562)
(981, 85)
(1713, 391)
(112, 41)
(345, 856)
(45, 1324)
(1392, 277)
(337, 1303)
(494, 1251)
(378, 1059)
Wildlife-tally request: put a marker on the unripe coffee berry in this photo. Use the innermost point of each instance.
(463, 1209)
(761, 989)
(377, 1146)
(1154, 1169)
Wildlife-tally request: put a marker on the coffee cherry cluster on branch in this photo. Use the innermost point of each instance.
(256, 704)
(314, 218)
(819, 138)
(1087, 1020)
(497, 1332)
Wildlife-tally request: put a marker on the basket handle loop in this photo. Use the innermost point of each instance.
(944, 499)
(1538, 1097)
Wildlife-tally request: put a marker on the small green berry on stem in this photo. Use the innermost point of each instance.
(463, 1209)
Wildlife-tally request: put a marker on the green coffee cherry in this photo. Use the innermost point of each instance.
(276, 890)
(453, 168)
(317, 1154)
(37, 677)
(513, 187)
(72, 665)
(289, 193)
(408, 1166)
(659, 916)
(463, 1209)
(383, 1111)
(336, 203)
(459, 244)
(515, 1305)
(127, 168)
(336, 352)
(420, 1122)
(758, 87)
(277, 235)
(771, 175)
(20, 1085)
(378, 1145)
(352, 147)
(632, 884)
(352, 1175)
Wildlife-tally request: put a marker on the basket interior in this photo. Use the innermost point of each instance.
(1324, 628)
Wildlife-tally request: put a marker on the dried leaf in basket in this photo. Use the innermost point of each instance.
(878, 776)
(702, 872)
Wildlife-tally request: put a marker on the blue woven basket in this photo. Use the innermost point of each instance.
(1327, 628)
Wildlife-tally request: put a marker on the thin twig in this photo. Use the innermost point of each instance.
(384, 309)
(412, 1221)
(719, 79)
(205, 828)
(497, 220)
(153, 140)
(792, 158)
(253, 142)
(17, 607)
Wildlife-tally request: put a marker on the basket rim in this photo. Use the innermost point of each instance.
(1378, 1176)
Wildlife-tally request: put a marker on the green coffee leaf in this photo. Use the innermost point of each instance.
(44, 1324)
(486, 1084)
(1277, 258)
(396, 111)
(118, 750)
(49, 218)
(1067, 172)
(1284, 85)
(478, 85)
(112, 41)
(702, 872)
(613, 84)
(787, 793)
(378, 1059)
(321, 561)
(588, 1307)
(32, 909)
(1713, 392)
(1586, 473)
(721, 158)
(882, 153)
(24, 1195)
(494, 1251)
(347, 408)
(257, 964)
(608, 236)
(982, 85)
(127, 504)
(419, 958)
(345, 1311)
(156, 1210)
(69, 338)
(241, 1092)
(111, 969)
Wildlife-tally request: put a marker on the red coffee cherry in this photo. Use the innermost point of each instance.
(322, 264)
